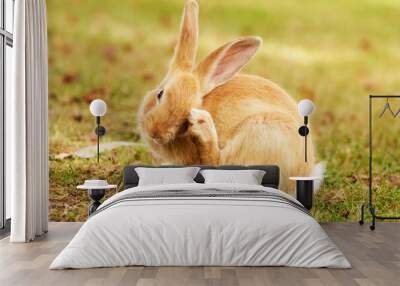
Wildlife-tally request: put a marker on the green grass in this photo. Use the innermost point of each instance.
(334, 52)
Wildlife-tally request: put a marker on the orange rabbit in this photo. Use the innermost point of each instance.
(210, 114)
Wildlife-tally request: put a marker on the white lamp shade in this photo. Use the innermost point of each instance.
(98, 107)
(305, 107)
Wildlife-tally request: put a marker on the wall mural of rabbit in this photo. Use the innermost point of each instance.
(211, 114)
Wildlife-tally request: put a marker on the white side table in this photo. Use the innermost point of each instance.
(96, 193)
(305, 190)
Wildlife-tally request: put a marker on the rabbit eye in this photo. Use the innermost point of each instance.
(160, 94)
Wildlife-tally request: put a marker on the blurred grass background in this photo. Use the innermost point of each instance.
(333, 52)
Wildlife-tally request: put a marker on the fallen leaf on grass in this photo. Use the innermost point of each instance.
(70, 78)
(361, 177)
(148, 76)
(365, 44)
(114, 157)
(335, 197)
(327, 118)
(394, 181)
(127, 47)
(77, 116)
(165, 21)
(51, 61)
(345, 213)
(364, 178)
(65, 48)
(110, 54)
(369, 85)
(52, 95)
(93, 94)
(307, 92)
(353, 117)
(72, 19)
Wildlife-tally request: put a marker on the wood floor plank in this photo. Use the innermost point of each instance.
(375, 257)
(212, 272)
(131, 276)
(146, 282)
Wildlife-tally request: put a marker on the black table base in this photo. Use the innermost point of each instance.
(96, 195)
(304, 192)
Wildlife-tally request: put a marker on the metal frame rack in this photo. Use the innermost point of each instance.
(370, 205)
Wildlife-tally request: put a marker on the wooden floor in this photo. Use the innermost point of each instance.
(375, 257)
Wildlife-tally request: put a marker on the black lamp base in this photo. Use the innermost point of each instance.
(304, 192)
(96, 195)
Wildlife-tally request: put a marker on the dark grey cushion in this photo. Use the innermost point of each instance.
(270, 179)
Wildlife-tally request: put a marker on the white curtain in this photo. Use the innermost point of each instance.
(26, 124)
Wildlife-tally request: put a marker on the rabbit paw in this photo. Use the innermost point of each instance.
(202, 125)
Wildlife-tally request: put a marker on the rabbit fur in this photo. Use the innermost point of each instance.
(210, 114)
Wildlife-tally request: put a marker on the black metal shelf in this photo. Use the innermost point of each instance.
(370, 205)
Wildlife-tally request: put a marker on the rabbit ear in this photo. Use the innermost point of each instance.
(185, 50)
(223, 63)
